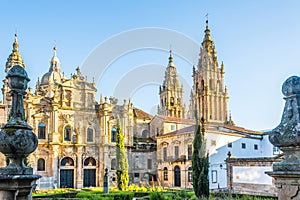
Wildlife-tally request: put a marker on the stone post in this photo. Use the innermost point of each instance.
(17, 141)
(106, 181)
(286, 136)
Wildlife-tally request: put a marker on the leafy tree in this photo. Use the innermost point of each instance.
(122, 161)
(200, 163)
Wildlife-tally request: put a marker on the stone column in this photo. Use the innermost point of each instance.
(286, 136)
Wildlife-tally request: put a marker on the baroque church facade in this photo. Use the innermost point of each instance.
(77, 133)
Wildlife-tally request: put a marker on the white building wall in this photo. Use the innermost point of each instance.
(217, 146)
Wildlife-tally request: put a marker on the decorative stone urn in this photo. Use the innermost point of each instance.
(17, 140)
(286, 136)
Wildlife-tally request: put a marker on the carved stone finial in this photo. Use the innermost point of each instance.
(17, 140)
(286, 135)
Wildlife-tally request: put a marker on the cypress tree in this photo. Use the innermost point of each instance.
(200, 163)
(122, 161)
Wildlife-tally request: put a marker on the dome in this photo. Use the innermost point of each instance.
(51, 78)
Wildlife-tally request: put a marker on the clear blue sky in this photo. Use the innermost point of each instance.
(257, 40)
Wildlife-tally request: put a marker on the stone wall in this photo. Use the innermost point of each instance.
(256, 182)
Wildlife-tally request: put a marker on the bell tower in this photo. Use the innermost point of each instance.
(13, 59)
(210, 95)
(171, 93)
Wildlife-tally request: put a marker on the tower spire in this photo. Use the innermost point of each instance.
(207, 36)
(15, 57)
(210, 94)
(171, 59)
(171, 93)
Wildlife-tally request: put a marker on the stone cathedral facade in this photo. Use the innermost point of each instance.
(77, 133)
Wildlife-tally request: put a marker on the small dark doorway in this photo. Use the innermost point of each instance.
(67, 178)
(89, 178)
(177, 180)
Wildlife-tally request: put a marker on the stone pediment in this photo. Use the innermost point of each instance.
(188, 140)
(66, 117)
(164, 143)
(176, 142)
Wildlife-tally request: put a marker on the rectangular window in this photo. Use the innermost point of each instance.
(42, 131)
(113, 135)
(176, 152)
(275, 150)
(165, 154)
(190, 152)
(213, 143)
(214, 176)
(136, 175)
(229, 145)
(90, 135)
(149, 163)
(255, 147)
(172, 127)
(243, 145)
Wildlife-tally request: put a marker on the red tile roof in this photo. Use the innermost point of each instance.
(138, 113)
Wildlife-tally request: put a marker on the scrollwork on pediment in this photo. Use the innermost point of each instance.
(66, 117)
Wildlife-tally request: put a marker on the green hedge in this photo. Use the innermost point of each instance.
(110, 196)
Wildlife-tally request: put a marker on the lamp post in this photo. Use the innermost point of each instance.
(17, 141)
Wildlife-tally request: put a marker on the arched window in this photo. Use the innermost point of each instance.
(165, 174)
(145, 134)
(41, 164)
(67, 133)
(90, 135)
(218, 87)
(90, 162)
(172, 101)
(202, 85)
(42, 131)
(67, 161)
(178, 101)
(113, 164)
(113, 135)
(211, 84)
(190, 174)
